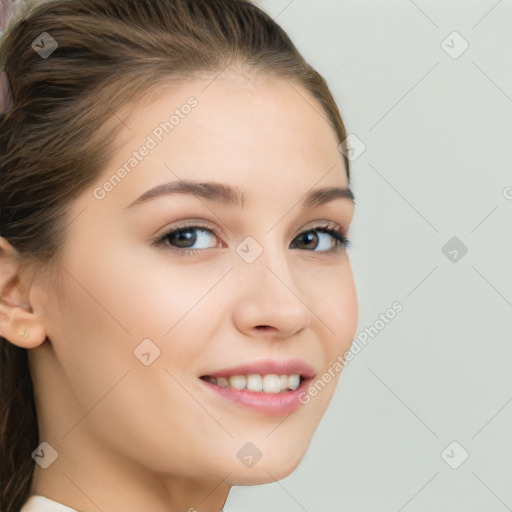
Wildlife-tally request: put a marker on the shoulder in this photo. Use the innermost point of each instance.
(42, 504)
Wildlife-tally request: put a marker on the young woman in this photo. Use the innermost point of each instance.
(175, 288)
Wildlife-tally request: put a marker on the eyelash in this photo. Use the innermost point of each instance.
(342, 241)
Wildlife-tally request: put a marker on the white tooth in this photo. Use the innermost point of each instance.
(293, 381)
(254, 382)
(238, 381)
(283, 382)
(222, 382)
(271, 384)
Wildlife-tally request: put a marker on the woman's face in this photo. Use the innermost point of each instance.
(138, 319)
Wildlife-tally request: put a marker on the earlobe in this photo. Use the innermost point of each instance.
(21, 327)
(19, 324)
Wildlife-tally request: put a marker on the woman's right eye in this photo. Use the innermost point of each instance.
(182, 239)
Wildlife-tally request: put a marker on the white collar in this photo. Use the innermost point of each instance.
(38, 503)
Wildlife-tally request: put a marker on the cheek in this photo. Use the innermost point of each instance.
(101, 320)
(103, 316)
(334, 302)
(151, 294)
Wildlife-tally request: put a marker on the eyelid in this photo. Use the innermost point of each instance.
(188, 223)
(320, 223)
(192, 222)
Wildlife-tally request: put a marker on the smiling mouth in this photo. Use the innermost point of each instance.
(267, 384)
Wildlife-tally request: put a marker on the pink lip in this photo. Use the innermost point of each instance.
(271, 404)
(269, 367)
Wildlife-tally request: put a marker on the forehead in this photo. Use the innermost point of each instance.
(261, 135)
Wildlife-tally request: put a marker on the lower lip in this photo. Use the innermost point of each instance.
(270, 404)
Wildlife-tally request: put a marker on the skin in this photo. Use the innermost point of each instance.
(132, 437)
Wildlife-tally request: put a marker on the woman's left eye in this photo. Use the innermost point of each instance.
(182, 239)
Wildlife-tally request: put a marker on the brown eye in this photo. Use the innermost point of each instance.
(187, 237)
(311, 239)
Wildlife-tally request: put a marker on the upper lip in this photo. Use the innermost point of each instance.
(269, 367)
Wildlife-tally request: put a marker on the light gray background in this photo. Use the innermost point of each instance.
(438, 136)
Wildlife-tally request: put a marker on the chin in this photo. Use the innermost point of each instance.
(264, 472)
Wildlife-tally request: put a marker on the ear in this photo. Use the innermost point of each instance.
(19, 323)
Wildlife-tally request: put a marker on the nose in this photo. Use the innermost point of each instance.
(267, 300)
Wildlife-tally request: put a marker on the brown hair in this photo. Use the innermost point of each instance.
(54, 140)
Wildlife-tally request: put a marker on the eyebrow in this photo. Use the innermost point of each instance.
(234, 196)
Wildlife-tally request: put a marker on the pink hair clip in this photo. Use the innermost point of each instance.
(7, 11)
